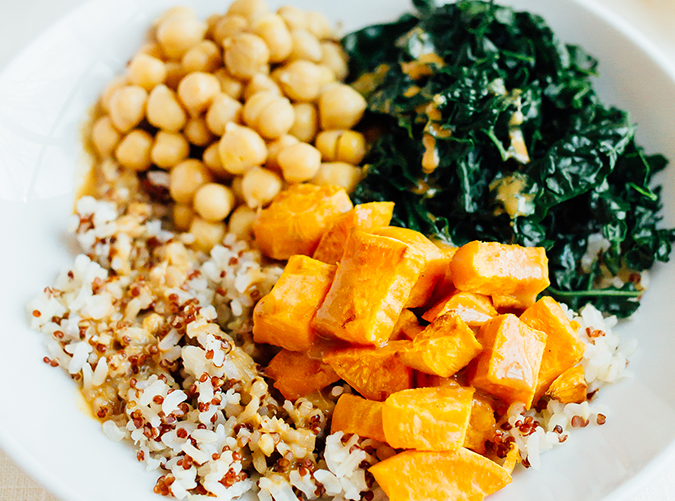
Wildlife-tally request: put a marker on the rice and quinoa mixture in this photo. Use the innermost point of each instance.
(157, 333)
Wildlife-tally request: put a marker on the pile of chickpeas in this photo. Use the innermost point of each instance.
(235, 108)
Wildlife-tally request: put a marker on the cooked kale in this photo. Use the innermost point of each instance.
(525, 152)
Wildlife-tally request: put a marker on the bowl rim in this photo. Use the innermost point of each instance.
(624, 491)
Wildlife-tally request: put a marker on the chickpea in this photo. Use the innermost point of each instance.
(116, 83)
(153, 49)
(197, 132)
(213, 202)
(305, 46)
(273, 30)
(105, 136)
(326, 76)
(340, 107)
(259, 186)
(211, 22)
(276, 147)
(222, 111)
(186, 178)
(147, 71)
(299, 162)
(250, 9)
(294, 18)
(300, 80)
(272, 116)
(174, 74)
(229, 85)
(306, 122)
(326, 143)
(206, 234)
(178, 33)
(338, 174)
(241, 222)
(170, 149)
(211, 158)
(237, 189)
(176, 11)
(335, 58)
(164, 110)
(351, 147)
(261, 83)
(127, 107)
(342, 146)
(228, 26)
(182, 216)
(205, 56)
(318, 25)
(245, 53)
(133, 152)
(197, 90)
(241, 148)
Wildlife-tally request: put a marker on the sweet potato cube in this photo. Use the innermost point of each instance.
(474, 309)
(510, 360)
(563, 348)
(354, 414)
(374, 373)
(407, 326)
(444, 286)
(443, 347)
(296, 374)
(366, 217)
(481, 424)
(297, 219)
(284, 316)
(570, 386)
(492, 268)
(459, 475)
(423, 380)
(427, 419)
(371, 287)
(508, 304)
(512, 458)
(434, 262)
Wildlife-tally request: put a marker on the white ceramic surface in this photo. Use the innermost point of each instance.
(44, 95)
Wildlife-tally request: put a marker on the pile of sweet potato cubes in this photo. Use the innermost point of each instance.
(437, 341)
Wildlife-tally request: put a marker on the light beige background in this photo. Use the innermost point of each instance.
(655, 18)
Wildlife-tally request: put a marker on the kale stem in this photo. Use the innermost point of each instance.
(594, 293)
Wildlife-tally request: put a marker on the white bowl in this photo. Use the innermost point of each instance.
(44, 96)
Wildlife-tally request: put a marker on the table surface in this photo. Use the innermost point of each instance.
(654, 18)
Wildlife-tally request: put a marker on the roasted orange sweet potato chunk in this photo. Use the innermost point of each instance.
(570, 386)
(371, 287)
(459, 475)
(407, 326)
(374, 373)
(510, 360)
(366, 217)
(297, 219)
(295, 374)
(354, 414)
(508, 304)
(481, 424)
(434, 263)
(492, 268)
(563, 348)
(444, 286)
(474, 309)
(443, 347)
(283, 317)
(427, 419)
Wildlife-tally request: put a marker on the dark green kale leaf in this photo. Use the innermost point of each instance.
(506, 75)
